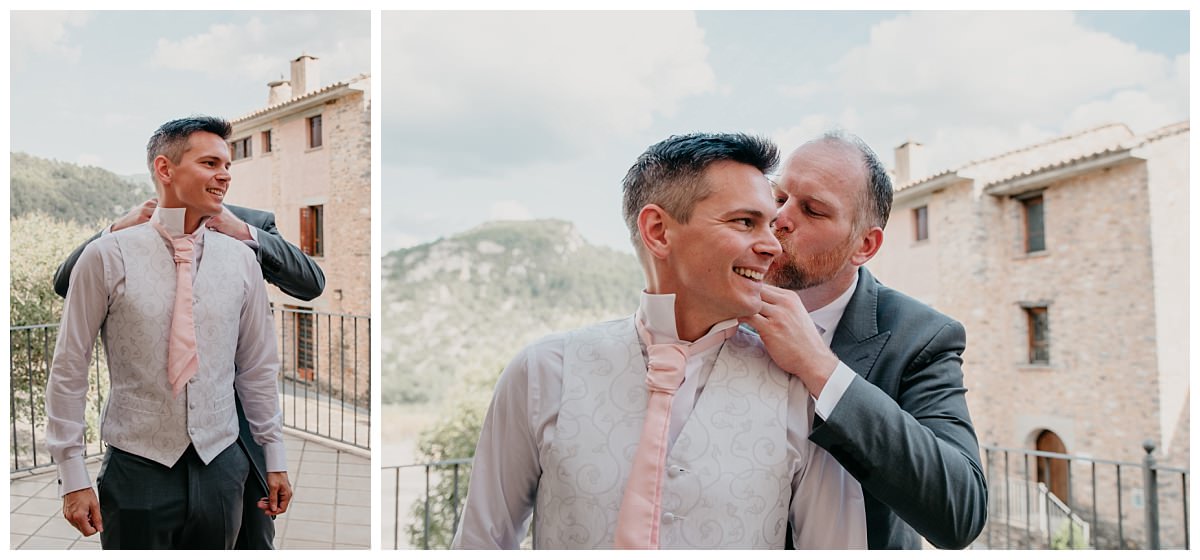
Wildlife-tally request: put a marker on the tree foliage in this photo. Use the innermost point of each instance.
(38, 243)
(69, 192)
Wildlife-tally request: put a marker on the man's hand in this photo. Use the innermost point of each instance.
(139, 215)
(279, 494)
(82, 510)
(792, 339)
(230, 225)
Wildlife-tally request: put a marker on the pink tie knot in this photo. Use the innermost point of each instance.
(183, 249)
(664, 367)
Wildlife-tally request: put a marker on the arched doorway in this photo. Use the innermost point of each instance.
(1052, 472)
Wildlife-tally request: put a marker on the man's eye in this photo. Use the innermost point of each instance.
(745, 222)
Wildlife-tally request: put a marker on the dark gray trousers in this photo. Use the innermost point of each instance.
(145, 505)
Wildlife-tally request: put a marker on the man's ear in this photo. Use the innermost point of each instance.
(163, 168)
(652, 225)
(868, 245)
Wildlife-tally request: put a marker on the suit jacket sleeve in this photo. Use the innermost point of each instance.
(62, 276)
(917, 453)
(283, 264)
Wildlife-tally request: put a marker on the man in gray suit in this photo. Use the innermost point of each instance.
(283, 265)
(884, 369)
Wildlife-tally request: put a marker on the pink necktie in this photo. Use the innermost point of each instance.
(182, 360)
(641, 506)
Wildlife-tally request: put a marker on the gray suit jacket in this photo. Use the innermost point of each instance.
(903, 429)
(283, 265)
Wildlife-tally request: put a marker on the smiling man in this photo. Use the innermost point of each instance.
(670, 428)
(184, 318)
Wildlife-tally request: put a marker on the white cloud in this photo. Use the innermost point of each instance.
(477, 89)
(969, 84)
(509, 210)
(261, 47)
(41, 33)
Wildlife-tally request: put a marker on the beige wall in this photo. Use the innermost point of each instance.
(335, 175)
(1167, 171)
(1110, 383)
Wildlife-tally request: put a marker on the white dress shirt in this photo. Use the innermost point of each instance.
(96, 280)
(827, 319)
(522, 421)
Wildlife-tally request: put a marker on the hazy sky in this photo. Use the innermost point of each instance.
(90, 87)
(539, 115)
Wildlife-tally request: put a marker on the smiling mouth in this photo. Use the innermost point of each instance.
(747, 273)
(216, 192)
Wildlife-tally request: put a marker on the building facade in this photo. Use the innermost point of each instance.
(306, 156)
(1067, 262)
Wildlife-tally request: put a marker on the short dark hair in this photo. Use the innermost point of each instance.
(171, 138)
(670, 173)
(875, 200)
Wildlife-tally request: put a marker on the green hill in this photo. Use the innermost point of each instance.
(464, 305)
(69, 192)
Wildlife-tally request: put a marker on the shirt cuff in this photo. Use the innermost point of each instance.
(253, 241)
(834, 388)
(275, 454)
(72, 476)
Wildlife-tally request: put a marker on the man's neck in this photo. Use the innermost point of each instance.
(821, 295)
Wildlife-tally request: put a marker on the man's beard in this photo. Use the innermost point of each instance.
(787, 273)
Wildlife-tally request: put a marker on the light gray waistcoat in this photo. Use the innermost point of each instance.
(141, 416)
(728, 479)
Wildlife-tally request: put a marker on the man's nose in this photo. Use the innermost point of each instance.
(783, 218)
(767, 244)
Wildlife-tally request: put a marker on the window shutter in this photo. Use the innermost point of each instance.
(306, 233)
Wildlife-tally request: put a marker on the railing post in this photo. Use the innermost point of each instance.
(1151, 496)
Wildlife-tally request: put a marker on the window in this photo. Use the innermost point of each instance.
(1038, 319)
(241, 148)
(266, 141)
(304, 348)
(314, 132)
(1035, 228)
(921, 222)
(312, 234)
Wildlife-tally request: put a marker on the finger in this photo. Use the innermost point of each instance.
(777, 296)
(757, 321)
(285, 499)
(97, 521)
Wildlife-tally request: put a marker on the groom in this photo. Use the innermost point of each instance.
(180, 309)
(671, 428)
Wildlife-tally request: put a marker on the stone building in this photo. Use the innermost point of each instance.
(306, 156)
(1067, 262)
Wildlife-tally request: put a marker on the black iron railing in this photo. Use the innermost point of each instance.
(324, 380)
(430, 497)
(1041, 500)
(1036, 500)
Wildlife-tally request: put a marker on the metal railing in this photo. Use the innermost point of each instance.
(1040, 499)
(433, 493)
(1024, 512)
(324, 382)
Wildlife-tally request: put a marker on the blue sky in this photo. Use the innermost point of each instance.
(90, 87)
(538, 115)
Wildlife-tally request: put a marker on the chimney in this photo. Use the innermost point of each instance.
(280, 91)
(910, 162)
(305, 75)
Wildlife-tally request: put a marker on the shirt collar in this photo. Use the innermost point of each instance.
(828, 317)
(171, 220)
(657, 313)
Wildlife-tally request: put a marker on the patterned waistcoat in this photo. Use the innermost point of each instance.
(728, 481)
(141, 416)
